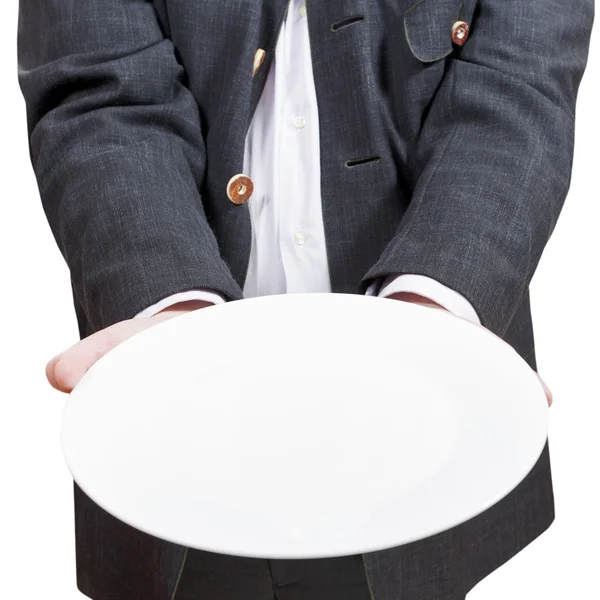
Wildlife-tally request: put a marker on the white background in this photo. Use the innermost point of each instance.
(37, 553)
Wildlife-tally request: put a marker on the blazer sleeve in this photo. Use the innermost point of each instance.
(494, 155)
(117, 150)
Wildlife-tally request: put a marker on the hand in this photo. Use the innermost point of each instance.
(65, 370)
(417, 299)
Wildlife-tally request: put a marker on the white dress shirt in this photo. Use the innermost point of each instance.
(282, 157)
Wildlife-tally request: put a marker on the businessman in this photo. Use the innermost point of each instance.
(193, 152)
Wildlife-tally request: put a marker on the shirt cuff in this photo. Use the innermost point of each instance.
(206, 295)
(451, 300)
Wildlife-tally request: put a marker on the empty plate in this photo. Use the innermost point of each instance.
(304, 425)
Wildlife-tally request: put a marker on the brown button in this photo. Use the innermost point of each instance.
(240, 188)
(259, 57)
(460, 32)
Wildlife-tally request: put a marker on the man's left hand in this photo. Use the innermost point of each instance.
(417, 299)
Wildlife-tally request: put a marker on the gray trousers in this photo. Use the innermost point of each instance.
(211, 576)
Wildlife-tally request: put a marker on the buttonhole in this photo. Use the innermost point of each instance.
(360, 161)
(347, 21)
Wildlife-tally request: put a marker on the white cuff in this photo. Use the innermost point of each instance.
(206, 295)
(434, 290)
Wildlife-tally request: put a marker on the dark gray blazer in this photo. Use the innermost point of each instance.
(448, 161)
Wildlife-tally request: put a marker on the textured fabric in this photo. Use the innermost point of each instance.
(444, 161)
(208, 575)
(493, 154)
(282, 157)
(479, 142)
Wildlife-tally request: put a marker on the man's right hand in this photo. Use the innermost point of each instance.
(65, 370)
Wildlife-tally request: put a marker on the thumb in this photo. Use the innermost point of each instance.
(65, 370)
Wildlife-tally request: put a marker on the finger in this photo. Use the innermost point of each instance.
(549, 396)
(66, 370)
(50, 371)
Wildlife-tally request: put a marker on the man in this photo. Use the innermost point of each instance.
(190, 152)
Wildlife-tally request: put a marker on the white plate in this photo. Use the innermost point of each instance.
(304, 426)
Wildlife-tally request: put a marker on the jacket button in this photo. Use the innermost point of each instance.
(460, 32)
(259, 57)
(239, 189)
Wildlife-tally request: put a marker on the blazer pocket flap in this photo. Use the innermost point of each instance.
(428, 27)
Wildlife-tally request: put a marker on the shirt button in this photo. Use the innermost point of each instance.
(299, 122)
(259, 57)
(299, 238)
(460, 32)
(240, 188)
(302, 9)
